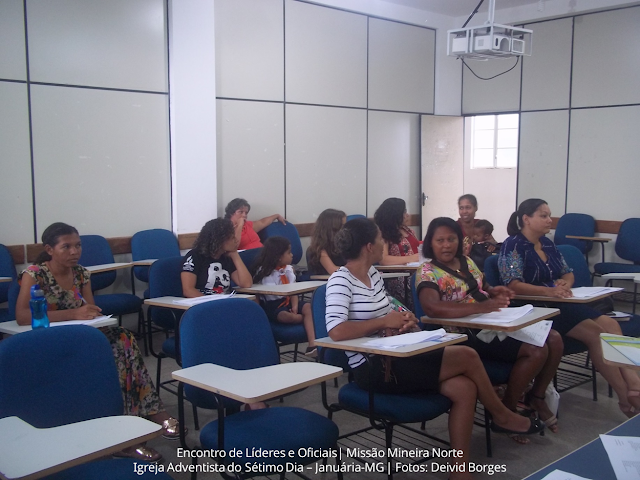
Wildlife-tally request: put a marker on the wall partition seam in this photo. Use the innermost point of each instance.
(566, 187)
(93, 87)
(519, 131)
(28, 82)
(284, 101)
(172, 216)
(9, 80)
(366, 147)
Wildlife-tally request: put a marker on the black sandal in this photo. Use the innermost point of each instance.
(535, 426)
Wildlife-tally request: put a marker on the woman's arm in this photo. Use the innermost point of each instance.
(436, 308)
(23, 312)
(566, 280)
(396, 259)
(521, 288)
(238, 229)
(327, 263)
(266, 221)
(241, 276)
(404, 322)
(189, 289)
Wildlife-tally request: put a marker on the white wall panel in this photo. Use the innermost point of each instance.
(394, 160)
(606, 58)
(326, 56)
(12, 51)
(115, 44)
(16, 221)
(546, 74)
(251, 156)
(401, 67)
(101, 160)
(500, 94)
(542, 166)
(249, 49)
(326, 161)
(603, 162)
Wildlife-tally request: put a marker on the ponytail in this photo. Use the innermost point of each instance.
(528, 208)
(51, 236)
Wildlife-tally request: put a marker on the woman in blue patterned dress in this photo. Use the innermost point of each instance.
(530, 264)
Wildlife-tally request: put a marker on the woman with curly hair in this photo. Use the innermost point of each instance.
(214, 261)
(400, 243)
(322, 257)
(237, 210)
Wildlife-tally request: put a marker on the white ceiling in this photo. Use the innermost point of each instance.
(460, 8)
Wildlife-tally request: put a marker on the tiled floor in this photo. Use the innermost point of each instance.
(581, 420)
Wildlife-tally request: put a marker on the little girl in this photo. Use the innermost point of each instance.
(273, 267)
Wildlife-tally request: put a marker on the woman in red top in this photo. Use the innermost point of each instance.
(400, 243)
(237, 211)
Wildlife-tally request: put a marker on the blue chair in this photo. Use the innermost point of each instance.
(578, 224)
(491, 272)
(289, 231)
(164, 281)
(7, 269)
(70, 377)
(150, 244)
(354, 216)
(627, 248)
(384, 411)
(96, 251)
(235, 333)
(249, 256)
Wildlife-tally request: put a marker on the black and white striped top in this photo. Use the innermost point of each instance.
(347, 298)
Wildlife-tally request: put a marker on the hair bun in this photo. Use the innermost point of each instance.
(343, 240)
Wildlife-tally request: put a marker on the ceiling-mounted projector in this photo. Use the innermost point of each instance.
(490, 40)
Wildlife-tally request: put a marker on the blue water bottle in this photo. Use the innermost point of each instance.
(38, 304)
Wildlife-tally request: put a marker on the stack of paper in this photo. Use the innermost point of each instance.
(588, 292)
(81, 322)
(190, 302)
(405, 339)
(505, 315)
(627, 346)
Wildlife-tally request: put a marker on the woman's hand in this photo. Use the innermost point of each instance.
(402, 321)
(560, 291)
(87, 312)
(501, 291)
(281, 219)
(493, 304)
(561, 283)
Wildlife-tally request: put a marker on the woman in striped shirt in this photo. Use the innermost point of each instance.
(357, 306)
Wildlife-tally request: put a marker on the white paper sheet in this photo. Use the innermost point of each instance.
(505, 315)
(588, 292)
(617, 314)
(560, 475)
(81, 322)
(535, 334)
(198, 300)
(624, 455)
(405, 339)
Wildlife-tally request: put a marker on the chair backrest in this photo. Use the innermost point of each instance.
(233, 332)
(491, 272)
(164, 281)
(575, 259)
(354, 216)
(14, 291)
(417, 308)
(96, 251)
(154, 243)
(318, 311)
(249, 256)
(579, 224)
(56, 376)
(628, 241)
(289, 231)
(7, 269)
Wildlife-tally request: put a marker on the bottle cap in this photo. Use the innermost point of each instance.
(36, 291)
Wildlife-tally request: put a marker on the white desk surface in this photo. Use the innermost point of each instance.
(356, 345)
(29, 452)
(537, 298)
(397, 268)
(288, 289)
(5, 279)
(107, 267)
(536, 315)
(167, 302)
(590, 239)
(258, 384)
(382, 274)
(614, 357)
(622, 276)
(144, 263)
(12, 327)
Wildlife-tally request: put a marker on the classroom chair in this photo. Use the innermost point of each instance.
(384, 411)
(354, 216)
(497, 371)
(7, 269)
(235, 333)
(249, 256)
(627, 248)
(68, 375)
(289, 231)
(96, 251)
(150, 244)
(579, 224)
